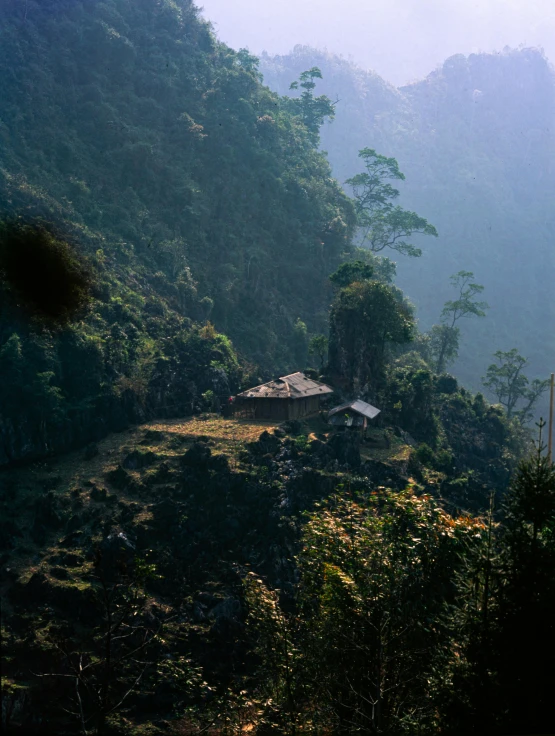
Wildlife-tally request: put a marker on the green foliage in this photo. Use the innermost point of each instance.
(410, 394)
(352, 271)
(318, 347)
(465, 305)
(109, 662)
(505, 611)
(526, 599)
(470, 171)
(365, 318)
(384, 269)
(381, 224)
(194, 179)
(300, 341)
(530, 504)
(446, 384)
(108, 369)
(425, 454)
(443, 346)
(275, 636)
(200, 196)
(444, 338)
(508, 383)
(313, 111)
(365, 651)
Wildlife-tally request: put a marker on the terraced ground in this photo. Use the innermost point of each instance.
(86, 482)
(204, 495)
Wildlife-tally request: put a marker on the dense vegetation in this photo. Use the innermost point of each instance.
(475, 142)
(185, 576)
(193, 190)
(170, 232)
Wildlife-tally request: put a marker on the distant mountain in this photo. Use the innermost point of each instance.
(476, 140)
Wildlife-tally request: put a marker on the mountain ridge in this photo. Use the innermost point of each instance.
(475, 142)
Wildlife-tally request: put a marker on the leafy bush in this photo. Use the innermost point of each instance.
(425, 454)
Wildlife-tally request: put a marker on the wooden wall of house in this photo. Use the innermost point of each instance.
(270, 409)
(277, 409)
(300, 408)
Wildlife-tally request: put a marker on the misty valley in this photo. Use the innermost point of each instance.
(276, 397)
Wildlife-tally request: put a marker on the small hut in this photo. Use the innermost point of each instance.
(353, 414)
(290, 397)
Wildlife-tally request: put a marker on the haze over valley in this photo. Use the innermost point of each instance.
(275, 347)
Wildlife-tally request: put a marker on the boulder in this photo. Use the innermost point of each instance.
(119, 477)
(229, 608)
(122, 480)
(116, 556)
(293, 426)
(154, 435)
(98, 494)
(345, 448)
(382, 474)
(226, 618)
(138, 459)
(266, 444)
(219, 463)
(197, 456)
(199, 612)
(75, 539)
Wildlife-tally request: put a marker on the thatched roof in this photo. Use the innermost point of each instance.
(294, 386)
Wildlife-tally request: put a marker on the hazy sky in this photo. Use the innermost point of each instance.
(402, 40)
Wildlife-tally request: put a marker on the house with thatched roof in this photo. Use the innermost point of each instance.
(290, 397)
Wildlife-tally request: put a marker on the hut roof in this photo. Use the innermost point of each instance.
(294, 386)
(358, 406)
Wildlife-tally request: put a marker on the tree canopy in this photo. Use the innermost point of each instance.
(365, 317)
(506, 380)
(444, 338)
(381, 224)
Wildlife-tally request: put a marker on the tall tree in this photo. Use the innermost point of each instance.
(508, 383)
(318, 346)
(526, 632)
(444, 338)
(314, 111)
(350, 272)
(365, 317)
(381, 224)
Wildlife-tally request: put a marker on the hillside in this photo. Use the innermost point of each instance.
(170, 234)
(476, 143)
(200, 504)
(191, 190)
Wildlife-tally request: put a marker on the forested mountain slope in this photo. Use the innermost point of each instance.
(476, 142)
(135, 121)
(196, 574)
(191, 188)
